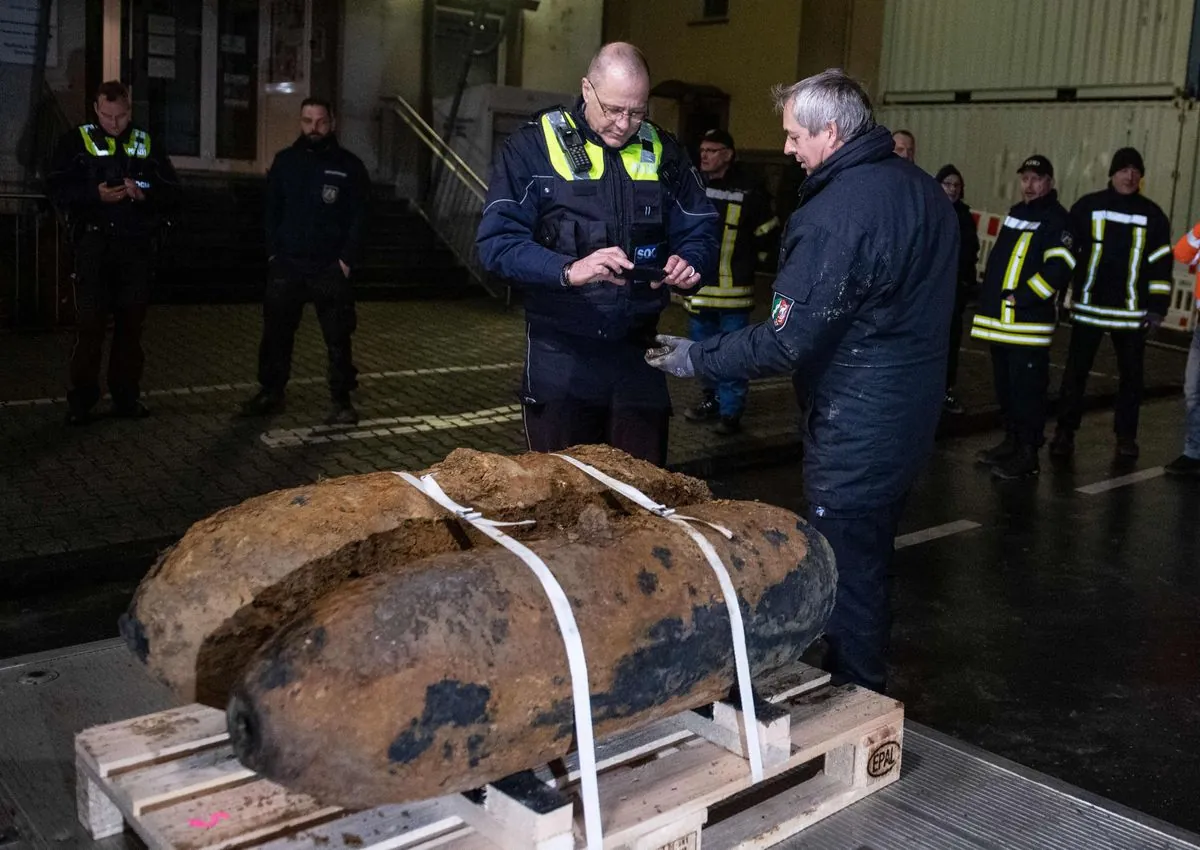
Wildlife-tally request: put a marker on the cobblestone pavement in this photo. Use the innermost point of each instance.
(435, 376)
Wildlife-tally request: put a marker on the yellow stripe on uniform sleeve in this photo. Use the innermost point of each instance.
(1159, 254)
(1038, 284)
(767, 226)
(1160, 287)
(1062, 253)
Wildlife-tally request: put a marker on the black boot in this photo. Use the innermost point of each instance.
(705, 411)
(728, 426)
(342, 412)
(1127, 448)
(1000, 452)
(264, 403)
(1022, 463)
(1063, 443)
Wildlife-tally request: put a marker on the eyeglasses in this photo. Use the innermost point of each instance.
(715, 149)
(612, 113)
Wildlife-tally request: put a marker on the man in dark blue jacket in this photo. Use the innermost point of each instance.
(317, 193)
(590, 211)
(860, 318)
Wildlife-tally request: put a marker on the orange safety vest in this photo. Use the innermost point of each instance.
(1187, 250)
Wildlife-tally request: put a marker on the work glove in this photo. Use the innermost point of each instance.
(1151, 323)
(672, 356)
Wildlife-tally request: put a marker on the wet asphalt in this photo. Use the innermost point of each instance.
(1063, 632)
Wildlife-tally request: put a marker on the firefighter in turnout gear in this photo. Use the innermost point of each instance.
(1122, 288)
(115, 186)
(1029, 267)
(594, 213)
(723, 303)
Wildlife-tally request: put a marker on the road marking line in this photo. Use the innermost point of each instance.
(937, 531)
(1114, 483)
(249, 385)
(391, 426)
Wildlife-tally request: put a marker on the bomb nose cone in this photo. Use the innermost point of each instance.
(245, 731)
(131, 629)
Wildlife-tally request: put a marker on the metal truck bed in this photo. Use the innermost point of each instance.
(950, 795)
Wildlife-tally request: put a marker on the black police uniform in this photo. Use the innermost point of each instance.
(1031, 263)
(860, 318)
(1124, 273)
(114, 249)
(585, 378)
(317, 193)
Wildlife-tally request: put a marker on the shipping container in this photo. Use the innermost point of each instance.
(935, 50)
(987, 142)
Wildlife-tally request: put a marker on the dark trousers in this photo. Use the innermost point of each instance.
(1130, 347)
(112, 277)
(859, 629)
(332, 296)
(956, 330)
(730, 395)
(555, 425)
(1021, 374)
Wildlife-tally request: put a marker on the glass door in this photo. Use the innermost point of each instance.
(237, 79)
(196, 78)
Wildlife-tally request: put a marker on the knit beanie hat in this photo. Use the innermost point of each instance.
(1124, 158)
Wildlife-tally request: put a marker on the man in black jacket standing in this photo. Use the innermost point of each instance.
(860, 319)
(317, 194)
(1122, 287)
(115, 187)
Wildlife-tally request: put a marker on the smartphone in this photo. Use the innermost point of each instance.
(644, 274)
(114, 182)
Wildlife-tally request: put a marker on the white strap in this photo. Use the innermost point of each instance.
(740, 655)
(580, 689)
(636, 496)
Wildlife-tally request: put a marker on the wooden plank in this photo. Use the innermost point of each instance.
(794, 681)
(783, 815)
(873, 760)
(94, 808)
(228, 818)
(649, 796)
(381, 828)
(701, 774)
(822, 723)
(131, 743)
(188, 776)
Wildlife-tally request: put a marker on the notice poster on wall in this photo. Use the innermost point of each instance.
(160, 67)
(18, 32)
(288, 26)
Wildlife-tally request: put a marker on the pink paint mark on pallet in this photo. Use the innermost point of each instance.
(210, 823)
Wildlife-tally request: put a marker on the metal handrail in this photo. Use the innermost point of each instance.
(24, 304)
(449, 194)
(450, 160)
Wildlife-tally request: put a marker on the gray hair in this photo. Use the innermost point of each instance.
(831, 96)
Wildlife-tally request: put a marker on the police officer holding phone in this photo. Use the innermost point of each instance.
(594, 213)
(115, 187)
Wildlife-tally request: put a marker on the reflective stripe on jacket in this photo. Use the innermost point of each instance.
(1124, 253)
(1030, 262)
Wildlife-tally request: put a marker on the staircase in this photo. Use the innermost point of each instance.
(215, 251)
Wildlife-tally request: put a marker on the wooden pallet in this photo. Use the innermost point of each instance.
(172, 778)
